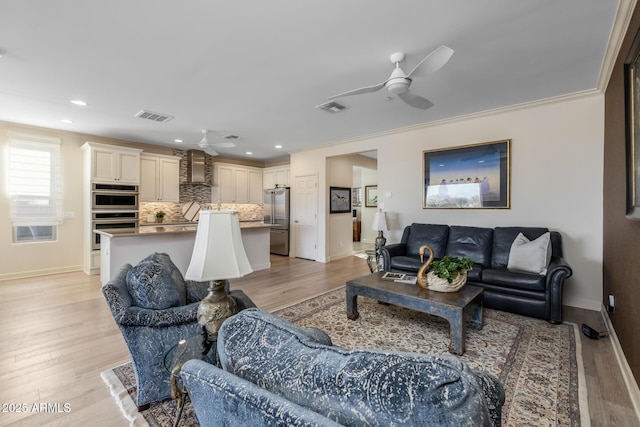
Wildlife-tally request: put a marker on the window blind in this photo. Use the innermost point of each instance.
(34, 180)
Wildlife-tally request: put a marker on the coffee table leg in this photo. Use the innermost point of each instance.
(457, 330)
(352, 305)
(476, 315)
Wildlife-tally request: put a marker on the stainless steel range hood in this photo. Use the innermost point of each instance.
(195, 167)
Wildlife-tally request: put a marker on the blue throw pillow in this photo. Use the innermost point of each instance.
(176, 276)
(153, 284)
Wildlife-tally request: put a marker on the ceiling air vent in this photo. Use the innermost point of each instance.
(331, 107)
(231, 137)
(156, 117)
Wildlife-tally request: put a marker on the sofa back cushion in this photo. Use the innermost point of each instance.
(351, 387)
(433, 235)
(474, 243)
(503, 238)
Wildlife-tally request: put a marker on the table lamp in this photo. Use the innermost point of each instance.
(218, 255)
(380, 225)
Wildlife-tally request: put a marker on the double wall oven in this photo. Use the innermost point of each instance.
(113, 206)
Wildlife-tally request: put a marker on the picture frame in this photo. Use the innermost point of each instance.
(632, 123)
(357, 197)
(475, 176)
(339, 200)
(370, 196)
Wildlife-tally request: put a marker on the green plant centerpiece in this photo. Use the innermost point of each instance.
(450, 266)
(160, 216)
(448, 274)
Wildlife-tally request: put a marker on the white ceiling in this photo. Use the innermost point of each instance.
(258, 68)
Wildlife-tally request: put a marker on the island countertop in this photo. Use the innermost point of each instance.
(167, 229)
(119, 246)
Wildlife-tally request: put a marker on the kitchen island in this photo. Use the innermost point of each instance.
(130, 245)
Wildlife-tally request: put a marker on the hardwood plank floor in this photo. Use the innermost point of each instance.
(57, 335)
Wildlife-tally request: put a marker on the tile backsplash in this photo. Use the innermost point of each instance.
(246, 212)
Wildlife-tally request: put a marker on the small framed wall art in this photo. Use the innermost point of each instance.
(371, 196)
(468, 177)
(339, 200)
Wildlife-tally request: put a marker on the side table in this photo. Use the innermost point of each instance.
(194, 347)
(371, 260)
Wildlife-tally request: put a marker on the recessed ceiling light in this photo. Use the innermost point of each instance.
(278, 146)
(178, 140)
(66, 121)
(78, 102)
(249, 152)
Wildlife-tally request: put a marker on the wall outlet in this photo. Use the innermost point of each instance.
(612, 304)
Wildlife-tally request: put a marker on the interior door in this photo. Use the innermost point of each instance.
(305, 217)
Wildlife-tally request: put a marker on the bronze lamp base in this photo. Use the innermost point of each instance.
(216, 307)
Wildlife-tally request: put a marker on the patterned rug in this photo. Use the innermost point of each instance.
(540, 364)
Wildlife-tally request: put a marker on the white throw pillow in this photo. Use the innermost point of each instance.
(530, 256)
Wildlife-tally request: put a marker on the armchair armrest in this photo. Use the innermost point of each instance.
(174, 316)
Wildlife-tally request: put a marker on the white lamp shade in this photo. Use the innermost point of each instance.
(380, 221)
(218, 252)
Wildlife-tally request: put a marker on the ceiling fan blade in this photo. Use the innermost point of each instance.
(434, 61)
(366, 89)
(223, 144)
(415, 100)
(210, 151)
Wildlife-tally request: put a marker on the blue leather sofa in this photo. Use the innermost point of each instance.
(521, 292)
(275, 374)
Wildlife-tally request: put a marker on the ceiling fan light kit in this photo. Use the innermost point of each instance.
(398, 83)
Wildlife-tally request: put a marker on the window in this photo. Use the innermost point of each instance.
(34, 185)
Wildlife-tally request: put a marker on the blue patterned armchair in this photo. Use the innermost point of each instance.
(154, 307)
(277, 374)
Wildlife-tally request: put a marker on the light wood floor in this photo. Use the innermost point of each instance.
(57, 335)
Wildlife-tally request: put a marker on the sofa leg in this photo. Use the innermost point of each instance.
(144, 407)
(554, 322)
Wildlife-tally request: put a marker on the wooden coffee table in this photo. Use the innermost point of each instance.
(455, 307)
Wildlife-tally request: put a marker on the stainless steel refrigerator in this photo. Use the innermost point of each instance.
(276, 213)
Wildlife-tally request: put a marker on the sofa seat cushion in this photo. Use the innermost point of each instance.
(514, 279)
(475, 274)
(359, 387)
(156, 283)
(405, 263)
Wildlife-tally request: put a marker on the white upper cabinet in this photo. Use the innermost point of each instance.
(237, 184)
(276, 176)
(159, 178)
(114, 164)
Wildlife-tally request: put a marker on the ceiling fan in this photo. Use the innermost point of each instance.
(209, 147)
(398, 83)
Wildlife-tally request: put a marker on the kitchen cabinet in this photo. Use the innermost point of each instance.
(276, 176)
(159, 178)
(114, 164)
(237, 184)
(103, 164)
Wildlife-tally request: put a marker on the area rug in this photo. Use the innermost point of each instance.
(540, 364)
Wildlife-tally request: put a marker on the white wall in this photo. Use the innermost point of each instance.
(65, 254)
(556, 179)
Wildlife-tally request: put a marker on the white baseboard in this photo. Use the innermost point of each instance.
(627, 374)
(43, 272)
